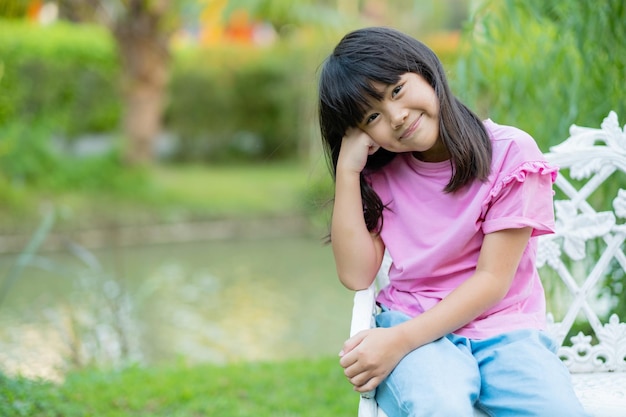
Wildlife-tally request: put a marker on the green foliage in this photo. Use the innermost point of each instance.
(21, 397)
(304, 388)
(63, 76)
(225, 103)
(25, 153)
(543, 66)
(240, 102)
(287, 14)
(13, 8)
(58, 82)
(28, 157)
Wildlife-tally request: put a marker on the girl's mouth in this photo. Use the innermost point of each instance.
(412, 128)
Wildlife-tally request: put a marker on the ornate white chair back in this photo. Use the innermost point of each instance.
(587, 250)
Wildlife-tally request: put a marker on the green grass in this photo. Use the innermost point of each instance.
(293, 388)
(236, 190)
(175, 193)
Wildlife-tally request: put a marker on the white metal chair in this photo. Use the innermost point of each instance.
(586, 250)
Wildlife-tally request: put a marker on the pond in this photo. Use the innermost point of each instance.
(215, 301)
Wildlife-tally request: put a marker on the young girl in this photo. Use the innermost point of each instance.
(457, 203)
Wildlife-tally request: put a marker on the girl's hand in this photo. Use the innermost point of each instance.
(369, 356)
(356, 146)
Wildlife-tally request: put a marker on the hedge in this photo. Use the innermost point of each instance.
(235, 101)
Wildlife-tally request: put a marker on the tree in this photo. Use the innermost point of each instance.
(144, 54)
(141, 29)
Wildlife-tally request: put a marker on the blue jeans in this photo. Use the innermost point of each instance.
(514, 374)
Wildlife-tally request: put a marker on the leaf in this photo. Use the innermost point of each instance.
(548, 252)
(574, 247)
(576, 229)
(589, 226)
(619, 204)
(584, 169)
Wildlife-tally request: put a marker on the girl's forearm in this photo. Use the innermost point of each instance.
(461, 306)
(356, 255)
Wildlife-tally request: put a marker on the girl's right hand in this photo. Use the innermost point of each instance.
(369, 356)
(356, 146)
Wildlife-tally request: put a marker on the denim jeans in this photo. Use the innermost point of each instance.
(513, 374)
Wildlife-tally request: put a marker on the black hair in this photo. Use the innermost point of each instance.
(383, 55)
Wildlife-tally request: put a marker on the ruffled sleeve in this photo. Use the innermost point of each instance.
(521, 198)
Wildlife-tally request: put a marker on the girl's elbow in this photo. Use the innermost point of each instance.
(355, 286)
(356, 282)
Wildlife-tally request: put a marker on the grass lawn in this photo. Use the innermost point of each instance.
(175, 193)
(303, 388)
(237, 190)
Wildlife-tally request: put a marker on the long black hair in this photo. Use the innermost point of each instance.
(383, 55)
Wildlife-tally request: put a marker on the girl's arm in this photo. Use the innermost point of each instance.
(370, 356)
(358, 253)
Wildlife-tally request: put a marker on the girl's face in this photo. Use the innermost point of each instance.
(406, 119)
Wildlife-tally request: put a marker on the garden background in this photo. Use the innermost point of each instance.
(133, 133)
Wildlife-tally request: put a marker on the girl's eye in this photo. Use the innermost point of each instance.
(371, 118)
(396, 90)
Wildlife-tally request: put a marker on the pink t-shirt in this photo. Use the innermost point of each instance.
(434, 238)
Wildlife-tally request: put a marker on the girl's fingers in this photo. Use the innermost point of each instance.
(353, 342)
(369, 386)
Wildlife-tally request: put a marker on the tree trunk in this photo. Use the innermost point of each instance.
(144, 54)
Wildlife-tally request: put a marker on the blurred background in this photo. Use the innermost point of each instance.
(163, 192)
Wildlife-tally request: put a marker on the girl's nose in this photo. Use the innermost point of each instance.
(398, 117)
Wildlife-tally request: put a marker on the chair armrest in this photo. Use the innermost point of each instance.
(363, 314)
(363, 310)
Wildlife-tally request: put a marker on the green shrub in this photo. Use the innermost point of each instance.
(231, 102)
(543, 66)
(29, 157)
(13, 8)
(58, 82)
(21, 397)
(61, 76)
(239, 102)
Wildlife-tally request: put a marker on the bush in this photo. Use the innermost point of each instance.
(24, 397)
(225, 103)
(62, 77)
(543, 66)
(240, 103)
(58, 82)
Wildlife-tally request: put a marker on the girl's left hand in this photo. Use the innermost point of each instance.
(369, 356)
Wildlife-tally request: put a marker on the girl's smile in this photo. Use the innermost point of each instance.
(411, 129)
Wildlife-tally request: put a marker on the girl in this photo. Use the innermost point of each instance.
(457, 203)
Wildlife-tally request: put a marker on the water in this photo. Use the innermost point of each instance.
(215, 301)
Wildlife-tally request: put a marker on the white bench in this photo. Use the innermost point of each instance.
(588, 246)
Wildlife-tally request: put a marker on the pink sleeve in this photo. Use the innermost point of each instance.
(522, 198)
